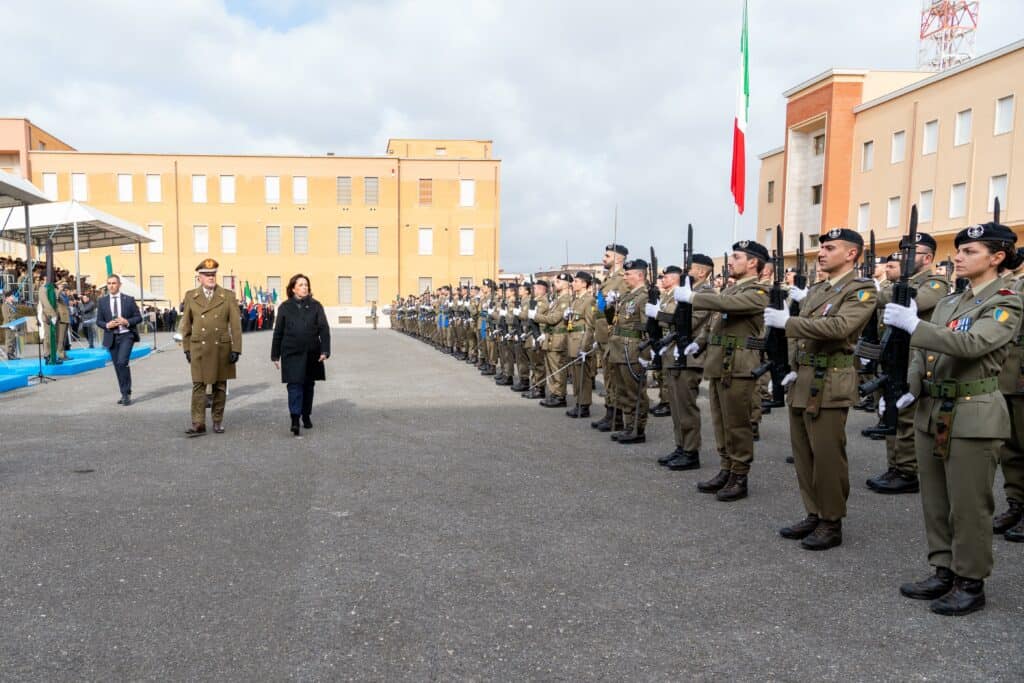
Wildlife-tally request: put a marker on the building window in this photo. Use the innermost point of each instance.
(371, 287)
(864, 217)
(124, 187)
(819, 145)
(930, 139)
(228, 282)
(440, 151)
(200, 239)
(300, 190)
(899, 147)
(345, 290)
(300, 239)
(272, 189)
(815, 195)
(371, 240)
(273, 239)
(50, 186)
(892, 214)
(227, 189)
(156, 286)
(426, 244)
(1004, 115)
(153, 189)
(867, 156)
(467, 193)
(42, 145)
(771, 191)
(426, 284)
(958, 200)
(273, 285)
(79, 187)
(229, 239)
(962, 135)
(371, 188)
(128, 279)
(466, 241)
(925, 206)
(128, 248)
(344, 240)
(997, 188)
(198, 189)
(344, 190)
(426, 191)
(465, 282)
(156, 233)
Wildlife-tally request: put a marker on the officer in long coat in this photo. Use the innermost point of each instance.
(211, 331)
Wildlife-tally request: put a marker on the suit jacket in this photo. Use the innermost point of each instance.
(129, 311)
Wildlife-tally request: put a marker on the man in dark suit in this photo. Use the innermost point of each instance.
(117, 315)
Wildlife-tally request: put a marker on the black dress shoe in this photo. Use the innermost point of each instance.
(894, 481)
(1015, 534)
(967, 595)
(504, 382)
(689, 460)
(734, 489)
(554, 402)
(578, 411)
(126, 401)
(535, 393)
(826, 535)
(768, 404)
(801, 529)
(120, 401)
(1014, 513)
(790, 460)
(935, 586)
(664, 460)
(520, 387)
(661, 410)
(197, 429)
(306, 422)
(629, 437)
(715, 483)
(879, 431)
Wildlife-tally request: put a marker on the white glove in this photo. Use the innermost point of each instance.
(776, 317)
(532, 313)
(541, 338)
(878, 285)
(651, 310)
(664, 350)
(611, 296)
(789, 378)
(490, 311)
(797, 294)
(901, 317)
(905, 400)
(516, 311)
(644, 363)
(691, 349)
(864, 362)
(675, 352)
(566, 313)
(683, 293)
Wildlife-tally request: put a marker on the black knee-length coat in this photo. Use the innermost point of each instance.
(301, 334)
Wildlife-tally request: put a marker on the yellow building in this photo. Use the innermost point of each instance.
(861, 147)
(362, 228)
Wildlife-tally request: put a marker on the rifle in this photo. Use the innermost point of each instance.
(725, 269)
(502, 321)
(800, 277)
(517, 323)
(869, 335)
(894, 350)
(653, 328)
(774, 343)
(682, 317)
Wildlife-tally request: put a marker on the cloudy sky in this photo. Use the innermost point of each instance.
(590, 104)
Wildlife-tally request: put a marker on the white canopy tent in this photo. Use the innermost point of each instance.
(72, 226)
(15, 191)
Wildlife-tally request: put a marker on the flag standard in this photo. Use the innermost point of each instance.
(739, 134)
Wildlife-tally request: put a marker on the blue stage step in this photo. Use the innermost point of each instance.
(16, 374)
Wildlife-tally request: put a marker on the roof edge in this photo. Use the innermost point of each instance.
(828, 73)
(771, 152)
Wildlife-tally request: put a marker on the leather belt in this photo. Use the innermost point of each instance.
(950, 388)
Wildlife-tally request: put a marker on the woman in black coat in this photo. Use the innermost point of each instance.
(302, 342)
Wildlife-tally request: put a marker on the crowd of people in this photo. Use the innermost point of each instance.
(960, 413)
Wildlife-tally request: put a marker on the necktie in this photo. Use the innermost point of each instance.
(117, 307)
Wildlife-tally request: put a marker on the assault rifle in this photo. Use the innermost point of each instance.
(893, 353)
(869, 335)
(653, 297)
(774, 343)
(682, 317)
(725, 269)
(800, 277)
(517, 324)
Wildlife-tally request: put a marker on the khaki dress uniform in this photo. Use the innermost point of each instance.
(821, 353)
(1011, 454)
(728, 364)
(961, 421)
(211, 330)
(556, 343)
(522, 358)
(613, 287)
(581, 340)
(473, 333)
(624, 359)
(535, 352)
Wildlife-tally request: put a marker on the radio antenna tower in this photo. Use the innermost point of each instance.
(947, 33)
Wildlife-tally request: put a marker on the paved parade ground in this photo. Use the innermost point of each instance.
(433, 526)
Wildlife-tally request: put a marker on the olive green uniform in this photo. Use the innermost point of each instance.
(624, 359)
(613, 287)
(1011, 385)
(728, 363)
(581, 340)
(556, 343)
(961, 421)
(534, 348)
(211, 329)
(821, 352)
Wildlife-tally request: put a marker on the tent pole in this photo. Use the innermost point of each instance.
(142, 291)
(78, 276)
(28, 259)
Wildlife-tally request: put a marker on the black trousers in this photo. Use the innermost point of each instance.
(120, 352)
(300, 398)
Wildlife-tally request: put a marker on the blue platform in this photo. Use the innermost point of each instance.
(15, 374)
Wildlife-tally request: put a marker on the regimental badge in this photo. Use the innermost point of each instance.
(631, 309)
(744, 244)
(1001, 315)
(825, 311)
(863, 295)
(834, 233)
(960, 324)
(917, 237)
(935, 284)
(975, 231)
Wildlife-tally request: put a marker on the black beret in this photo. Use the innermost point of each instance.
(989, 232)
(703, 260)
(475, 288)
(1020, 253)
(844, 234)
(585, 276)
(543, 283)
(635, 264)
(923, 238)
(893, 258)
(752, 248)
(669, 270)
(488, 282)
(564, 277)
(618, 249)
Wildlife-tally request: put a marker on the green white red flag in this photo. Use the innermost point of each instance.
(739, 134)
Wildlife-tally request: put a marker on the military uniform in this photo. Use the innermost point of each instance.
(581, 341)
(1011, 453)
(535, 352)
(556, 346)
(624, 357)
(522, 360)
(613, 287)
(211, 332)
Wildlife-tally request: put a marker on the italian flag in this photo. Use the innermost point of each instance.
(739, 133)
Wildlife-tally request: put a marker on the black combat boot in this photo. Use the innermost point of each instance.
(295, 425)
(879, 431)
(689, 460)
(935, 586)
(520, 387)
(554, 402)
(629, 437)
(661, 410)
(537, 392)
(504, 382)
(664, 460)
(597, 424)
(826, 535)
(715, 483)
(615, 424)
(967, 595)
(306, 422)
(801, 529)
(1012, 516)
(893, 481)
(578, 411)
(734, 489)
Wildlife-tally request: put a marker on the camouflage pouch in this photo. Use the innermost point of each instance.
(944, 429)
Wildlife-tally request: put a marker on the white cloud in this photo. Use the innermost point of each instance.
(590, 104)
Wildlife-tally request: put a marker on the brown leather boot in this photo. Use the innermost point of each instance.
(801, 529)
(734, 489)
(826, 535)
(715, 483)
